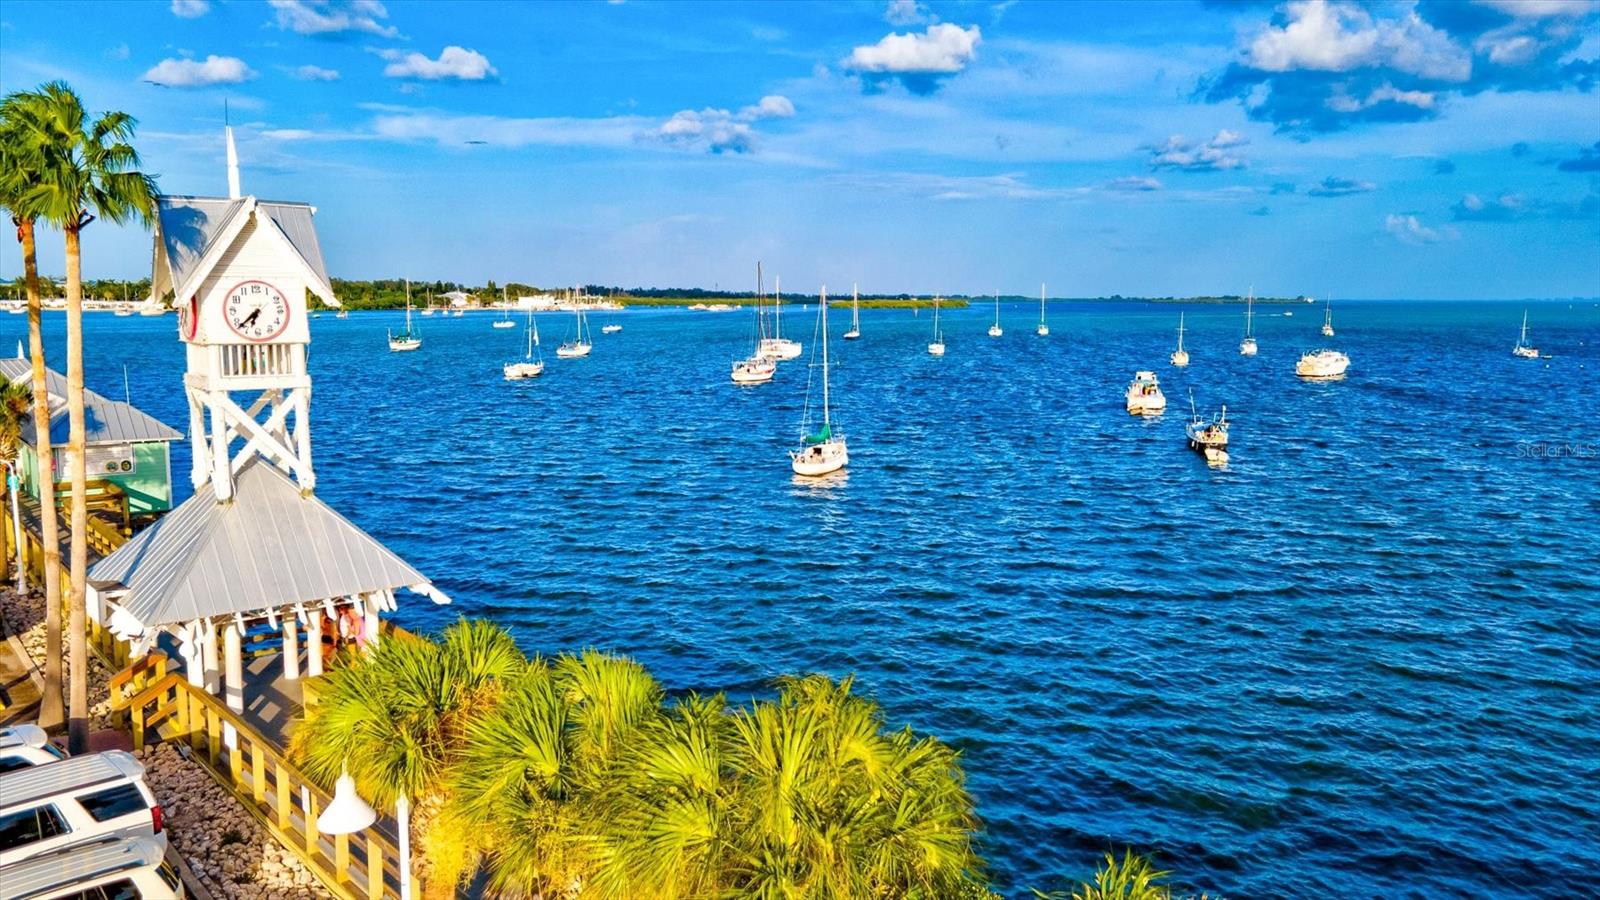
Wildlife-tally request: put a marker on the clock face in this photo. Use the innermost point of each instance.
(189, 318)
(256, 311)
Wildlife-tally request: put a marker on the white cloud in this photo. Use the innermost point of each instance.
(496, 131)
(1180, 153)
(1408, 230)
(1133, 183)
(190, 9)
(314, 17)
(908, 12)
(1331, 37)
(316, 73)
(942, 50)
(719, 130)
(196, 73)
(288, 134)
(454, 62)
(1541, 9)
(1384, 93)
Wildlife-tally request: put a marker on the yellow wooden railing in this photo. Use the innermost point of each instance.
(361, 866)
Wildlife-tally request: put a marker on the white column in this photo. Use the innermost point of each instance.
(194, 667)
(402, 814)
(314, 642)
(291, 647)
(302, 435)
(370, 621)
(199, 465)
(208, 656)
(233, 659)
(221, 474)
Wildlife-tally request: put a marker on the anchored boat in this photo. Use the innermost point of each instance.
(823, 451)
(580, 345)
(1180, 356)
(1144, 397)
(1043, 330)
(1523, 349)
(994, 330)
(528, 366)
(1247, 347)
(1322, 364)
(936, 346)
(1327, 318)
(778, 347)
(855, 315)
(409, 339)
(1209, 439)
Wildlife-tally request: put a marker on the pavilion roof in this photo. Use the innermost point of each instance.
(189, 230)
(270, 546)
(105, 421)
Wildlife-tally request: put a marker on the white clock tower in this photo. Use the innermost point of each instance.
(240, 270)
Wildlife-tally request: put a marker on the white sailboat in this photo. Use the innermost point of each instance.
(995, 330)
(1523, 349)
(778, 347)
(1180, 356)
(936, 346)
(824, 451)
(1247, 347)
(428, 309)
(756, 368)
(1043, 330)
(1327, 318)
(1209, 439)
(505, 312)
(528, 366)
(580, 345)
(855, 315)
(408, 339)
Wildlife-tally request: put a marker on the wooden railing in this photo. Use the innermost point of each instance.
(100, 496)
(361, 866)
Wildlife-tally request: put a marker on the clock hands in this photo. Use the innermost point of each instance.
(247, 320)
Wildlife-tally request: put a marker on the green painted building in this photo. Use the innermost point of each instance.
(122, 445)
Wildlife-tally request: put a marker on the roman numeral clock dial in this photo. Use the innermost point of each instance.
(256, 311)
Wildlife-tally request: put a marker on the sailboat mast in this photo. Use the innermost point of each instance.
(855, 308)
(761, 314)
(997, 309)
(1041, 303)
(777, 306)
(408, 306)
(1180, 332)
(1249, 310)
(825, 424)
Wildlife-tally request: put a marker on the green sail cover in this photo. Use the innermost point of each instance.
(821, 436)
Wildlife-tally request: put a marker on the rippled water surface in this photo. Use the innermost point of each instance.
(1361, 660)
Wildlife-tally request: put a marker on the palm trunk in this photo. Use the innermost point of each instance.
(50, 712)
(77, 625)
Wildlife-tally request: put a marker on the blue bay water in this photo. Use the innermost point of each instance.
(1360, 660)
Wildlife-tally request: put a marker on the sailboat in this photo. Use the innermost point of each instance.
(823, 451)
(936, 346)
(610, 327)
(756, 369)
(1043, 330)
(995, 330)
(1523, 348)
(581, 345)
(408, 339)
(1247, 347)
(855, 315)
(1209, 439)
(1327, 318)
(505, 312)
(1180, 356)
(778, 347)
(428, 309)
(528, 367)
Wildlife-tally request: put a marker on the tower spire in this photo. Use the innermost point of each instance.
(233, 155)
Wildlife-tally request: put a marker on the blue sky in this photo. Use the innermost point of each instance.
(1409, 149)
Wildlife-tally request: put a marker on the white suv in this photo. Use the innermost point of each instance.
(22, 746)
(85, 798)
(117, 869)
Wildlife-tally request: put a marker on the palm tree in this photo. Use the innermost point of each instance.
(19, 167)
(398, 718)
(1134, 877)
(87, 170)
(15, 403)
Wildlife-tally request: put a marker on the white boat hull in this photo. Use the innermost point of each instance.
(820, 459)
(1144, 397)
(1180, 358)
(519, 371)
(1322, 365)
(1525, 353)
(995, 331)
(1042, 331)
(1327, 331)
(611, 329)
(851, 335)
(936, 349)
(754, 372)
(505, 323)
(573, 351)
(779, 348)
(1247, 347)
(404, 346)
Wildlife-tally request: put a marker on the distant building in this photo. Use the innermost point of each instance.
(123, 446)
(457, 298)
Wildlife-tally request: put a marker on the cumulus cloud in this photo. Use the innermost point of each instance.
(190, 9)
(908, 12)
(720, 130)
(1409, 230)
(918, 61)
(1178, 152)
(1333, 186)
(1327, 65)
(1587, 160)
(1511, 206)
(316, 73)
(454, 63)
(186, 73)
(332, 17)
(1133, 183)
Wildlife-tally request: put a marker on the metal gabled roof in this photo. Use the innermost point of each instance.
(105, 421)
(188, 229)
(266, 548)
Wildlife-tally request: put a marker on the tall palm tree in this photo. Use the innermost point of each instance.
(88, 169)
(397, 719)
(20, 162)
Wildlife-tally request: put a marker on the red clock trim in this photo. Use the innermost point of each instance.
(288, 312)
(189, 318)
